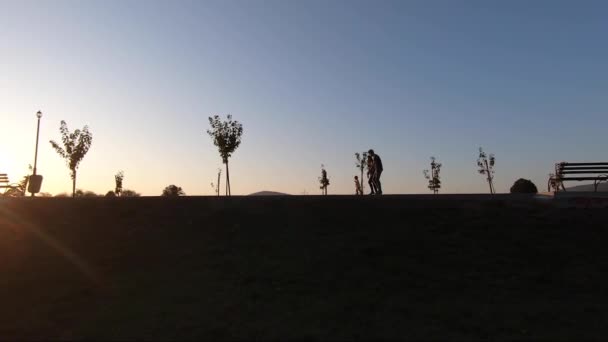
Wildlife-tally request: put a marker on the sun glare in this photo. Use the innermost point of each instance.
(7, 165)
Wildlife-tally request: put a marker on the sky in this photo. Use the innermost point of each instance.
(312, 82)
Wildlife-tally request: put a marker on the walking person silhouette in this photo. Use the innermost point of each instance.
(377, 171)
(370, 175)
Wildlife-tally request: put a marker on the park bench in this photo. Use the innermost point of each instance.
(596, 172)
(5, 184)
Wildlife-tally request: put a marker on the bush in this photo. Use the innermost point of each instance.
(523, 186)
(173, 191)
(129, 193)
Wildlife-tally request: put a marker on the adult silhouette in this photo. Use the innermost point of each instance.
(377, 162)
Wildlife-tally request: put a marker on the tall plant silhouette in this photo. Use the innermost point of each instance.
(361, 163)
(75, 147)
(486, 167)
(323, 180)
(226, 135)
(433, 176)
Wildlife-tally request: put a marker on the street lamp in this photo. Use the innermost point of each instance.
(35, 180)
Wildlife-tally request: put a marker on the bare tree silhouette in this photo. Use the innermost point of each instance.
(486, 167)
(227, 137)
(75, 147)
(433, 176)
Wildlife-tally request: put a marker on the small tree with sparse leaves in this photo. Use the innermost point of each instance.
(75, 147)
(226, 136)
(433, 176)
(486, 167)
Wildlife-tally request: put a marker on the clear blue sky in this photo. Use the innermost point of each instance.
(312, 82)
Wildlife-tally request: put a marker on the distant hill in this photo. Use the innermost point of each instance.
(588, 187)
(268, 193)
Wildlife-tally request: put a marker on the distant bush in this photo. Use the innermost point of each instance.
(85, 193)
(523, 186)
(173, 191)
(110, 194)
(129, 193)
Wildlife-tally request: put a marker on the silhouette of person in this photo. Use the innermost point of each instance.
(377, 171)
(370, 175)
(358, 190)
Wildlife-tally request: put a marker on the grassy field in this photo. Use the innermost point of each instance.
(301, 268)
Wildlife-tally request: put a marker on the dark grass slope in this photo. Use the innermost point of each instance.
(301, 268)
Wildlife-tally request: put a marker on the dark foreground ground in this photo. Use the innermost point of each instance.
(301, 268)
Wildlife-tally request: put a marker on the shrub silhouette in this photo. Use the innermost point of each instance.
(173, 191)
(129, 193)
(85, 193)
(523, 186)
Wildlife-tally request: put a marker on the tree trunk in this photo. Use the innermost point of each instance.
(74, 184)
(489, 177)
(218, 183)
(227, 179)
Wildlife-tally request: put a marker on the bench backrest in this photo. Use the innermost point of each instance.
(3, 178)
(581, 168)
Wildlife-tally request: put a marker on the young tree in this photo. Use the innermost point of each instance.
(226, 136)
(323, 180)
(75, 147)
(173, 191)
(361, 163)
(486, 168)
(118, 177)
(433, 176)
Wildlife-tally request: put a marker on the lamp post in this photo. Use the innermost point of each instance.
(38, 115)
(37, 180)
